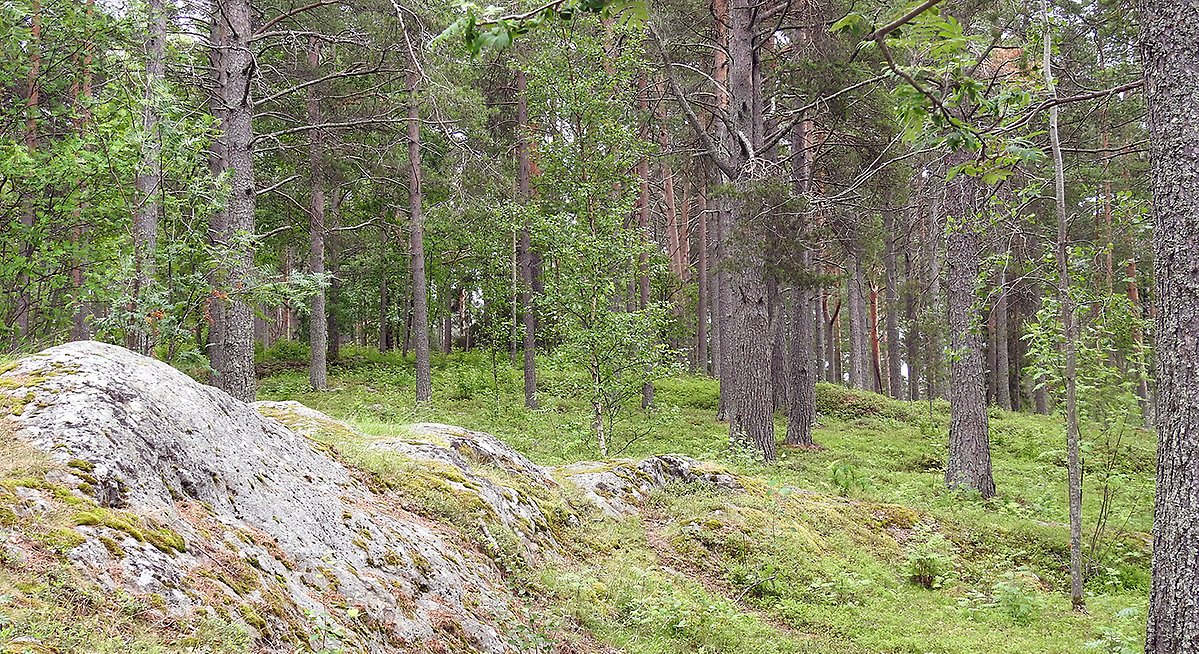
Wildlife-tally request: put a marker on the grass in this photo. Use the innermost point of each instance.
(852, 548)
(817, 556)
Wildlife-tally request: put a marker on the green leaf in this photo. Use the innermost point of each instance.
(850, 22)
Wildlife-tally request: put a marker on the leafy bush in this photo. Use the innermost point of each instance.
(285, 351)
(1015, 600)
(847, 478)
(1122, 638)
(1010, 596)
(930, 560)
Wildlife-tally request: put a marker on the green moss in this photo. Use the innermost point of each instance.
(80, 464)
(252, 617)
(114, 548)
(162, 538)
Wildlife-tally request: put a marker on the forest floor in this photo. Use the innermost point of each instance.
(852, 547)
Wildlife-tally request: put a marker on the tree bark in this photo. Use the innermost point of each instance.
(148, 183)
(891, 309)
(859, 367)
(318, 333)
(836, 372)
(233, 324)
(751, 419)
(801, 396)
(80, 330)
(801, 409)
(643, 214)
(722, 295)
(911, 336)
(876, 363)
(702, 306)
(1170, 56)
(385, 331)
(1003, 381)
(779, 315)
(24, 299)
(420, 286)
(524, 247)
(969, 464)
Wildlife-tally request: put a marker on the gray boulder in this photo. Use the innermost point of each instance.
(619, 487)
(252, 519)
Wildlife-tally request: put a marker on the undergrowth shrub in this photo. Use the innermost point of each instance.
(930, 559)
(284, 351)
(850, 404)
(1010, 596)
(847, 478)
(1121, 637)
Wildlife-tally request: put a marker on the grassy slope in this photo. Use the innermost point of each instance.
(824, 569)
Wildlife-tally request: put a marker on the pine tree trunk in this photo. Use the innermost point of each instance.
(80, 330)
(803, 318)
(969, 464)
(859, 366)
(148, 183)
(724, 306)
(524, 248)
(751, 419)
(801, 409)
(779, 316)
(318, 334)
(702, 317)
(1170, 55)
(836, 370)
(24, 299)
(1003, 381)
(911, 337)
(876, 363)
(233, 325)
(385, 334)
(1138, 336)
(818, 336)
(721, 295)
(891, 309)
(931, 283)
(643, 214)
(420, 286)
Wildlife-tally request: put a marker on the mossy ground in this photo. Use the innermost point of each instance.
(819, 555)
(855, 547)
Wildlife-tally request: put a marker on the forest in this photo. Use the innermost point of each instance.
(936, 257)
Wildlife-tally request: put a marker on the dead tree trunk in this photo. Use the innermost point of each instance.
(1069, 337)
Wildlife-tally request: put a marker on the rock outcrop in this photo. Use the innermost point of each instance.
(246, 498)
(620, 487)
(279, 518)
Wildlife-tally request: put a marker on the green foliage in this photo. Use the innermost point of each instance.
(848, 478)
(929, 558)
(1121, 637)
